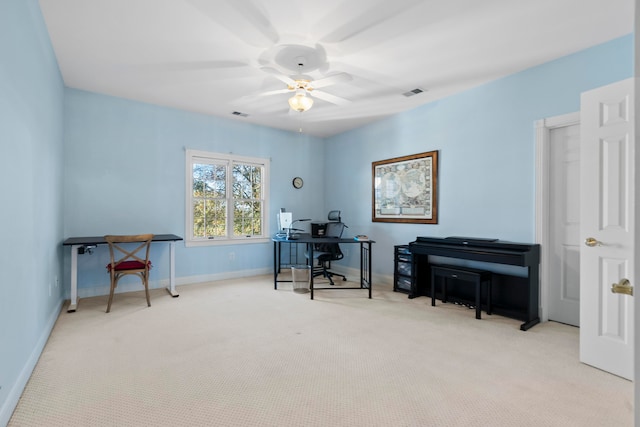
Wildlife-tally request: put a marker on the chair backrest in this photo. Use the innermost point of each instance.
(123, 258)
(334, 229)
(331, 251)
(334, 216)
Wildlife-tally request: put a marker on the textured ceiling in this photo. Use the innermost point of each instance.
(216, 57)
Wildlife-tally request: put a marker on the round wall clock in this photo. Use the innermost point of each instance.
(297, 182)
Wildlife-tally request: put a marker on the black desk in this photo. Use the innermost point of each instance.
(306, 239)
(81, 244)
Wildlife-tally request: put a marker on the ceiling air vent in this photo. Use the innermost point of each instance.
(238, 113)
(413, 92)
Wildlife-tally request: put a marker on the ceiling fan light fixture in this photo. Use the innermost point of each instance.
(300, 102)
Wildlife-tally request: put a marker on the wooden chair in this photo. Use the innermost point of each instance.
(125, 261)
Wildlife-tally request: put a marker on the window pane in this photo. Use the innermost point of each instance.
(199, 175)
(218, 182)
(216, 218)
(241, 182)
(256, 184)
(247, 181)
(198, 219)
(247, 194)
(209, 218)
(247, 218)
(209, 180)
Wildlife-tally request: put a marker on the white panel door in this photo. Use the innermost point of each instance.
(607, 225)
(564, 224)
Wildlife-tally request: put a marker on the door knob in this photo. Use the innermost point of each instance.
(591, 242)
(623, 287)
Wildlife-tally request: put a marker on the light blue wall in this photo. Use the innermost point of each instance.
(125, 173)
(486, 143)
(31, 93)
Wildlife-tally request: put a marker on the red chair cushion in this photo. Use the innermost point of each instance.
(128, 265)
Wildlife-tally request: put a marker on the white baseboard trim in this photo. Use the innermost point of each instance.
(379, 281)
(103, 289)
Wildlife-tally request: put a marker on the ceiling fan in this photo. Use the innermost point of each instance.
(305, 88)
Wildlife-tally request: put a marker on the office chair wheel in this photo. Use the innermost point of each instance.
(344, 279)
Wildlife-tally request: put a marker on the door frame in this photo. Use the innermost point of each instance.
(636, 266)
(543, 129)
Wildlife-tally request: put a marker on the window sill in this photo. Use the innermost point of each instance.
(223, 242)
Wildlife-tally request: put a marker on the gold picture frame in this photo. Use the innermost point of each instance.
(405, 189)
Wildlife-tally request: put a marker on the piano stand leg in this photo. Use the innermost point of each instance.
(530, 324)
(488, 297)
(478, 300)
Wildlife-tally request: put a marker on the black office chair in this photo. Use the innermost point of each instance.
(327, 252)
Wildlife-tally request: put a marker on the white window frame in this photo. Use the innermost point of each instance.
(193, 156)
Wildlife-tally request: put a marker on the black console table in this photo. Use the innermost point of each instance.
(511, 295)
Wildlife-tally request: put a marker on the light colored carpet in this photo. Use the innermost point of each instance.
(239, 353)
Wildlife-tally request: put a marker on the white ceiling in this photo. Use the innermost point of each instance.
(216, 56)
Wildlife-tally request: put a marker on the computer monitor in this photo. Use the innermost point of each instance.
(284, 220)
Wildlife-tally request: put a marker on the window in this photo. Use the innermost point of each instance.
(226, 198)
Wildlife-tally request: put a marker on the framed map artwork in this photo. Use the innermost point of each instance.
(405, 189)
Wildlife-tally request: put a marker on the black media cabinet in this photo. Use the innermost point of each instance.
(402, 269)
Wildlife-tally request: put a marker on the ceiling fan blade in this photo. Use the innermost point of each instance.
(361, 21)
(331, 80)
(275, 92)
(196, 65)
(185, 73)
(278, 75)
(329, 98)
(368, 78)
(242, 18)
(192, 71)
